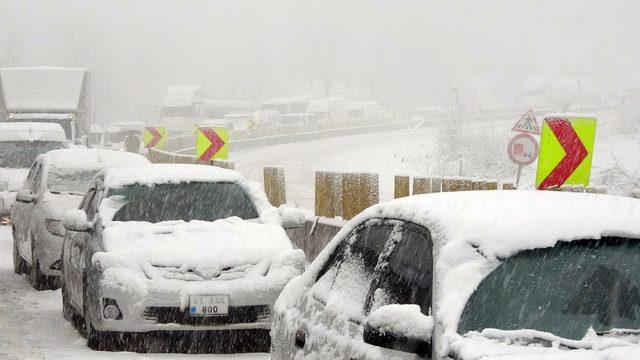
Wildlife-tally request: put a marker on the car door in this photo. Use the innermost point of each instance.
(25, 210)
(74, 245)
(404, 276)
(334, 305)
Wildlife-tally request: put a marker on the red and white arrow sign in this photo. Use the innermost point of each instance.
(156, 136)
(216, 143)
(575, 152)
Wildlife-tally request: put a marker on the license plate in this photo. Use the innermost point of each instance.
(209, 305)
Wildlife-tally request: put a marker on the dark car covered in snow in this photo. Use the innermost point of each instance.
(472, 275)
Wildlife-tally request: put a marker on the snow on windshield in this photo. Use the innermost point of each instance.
(70, 180)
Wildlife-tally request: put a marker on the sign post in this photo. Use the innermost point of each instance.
(566, 151)
(523, 148)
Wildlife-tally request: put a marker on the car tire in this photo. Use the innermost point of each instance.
(67, 310)
(18, 262)
(97, 340)
(37, 279)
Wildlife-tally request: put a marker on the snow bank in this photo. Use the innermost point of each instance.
(31, 131)
(83, 158)
(42, 88)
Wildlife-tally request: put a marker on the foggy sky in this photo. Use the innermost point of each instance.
(403, 53)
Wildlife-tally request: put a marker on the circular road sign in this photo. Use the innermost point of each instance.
(523, 149)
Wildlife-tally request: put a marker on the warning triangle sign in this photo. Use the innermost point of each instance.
(527, 124)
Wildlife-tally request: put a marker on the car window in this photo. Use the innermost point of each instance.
(206, 201)
(88, 197)
(567, 290)
(92, 206)
(404, 276)
(346, 279)
(36, 178)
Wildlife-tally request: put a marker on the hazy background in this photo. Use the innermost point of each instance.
(403, 53)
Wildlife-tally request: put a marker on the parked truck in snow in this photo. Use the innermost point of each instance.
(48, 95)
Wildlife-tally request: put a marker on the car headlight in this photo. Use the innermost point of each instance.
(54, 227)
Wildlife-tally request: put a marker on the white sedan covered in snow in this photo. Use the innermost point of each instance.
(472, 275)
(175, 248)
(56, 183)
(20, 143)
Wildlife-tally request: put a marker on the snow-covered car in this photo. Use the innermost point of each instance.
(185, 248)
(472, 275)
(56, 183)
(20, 143)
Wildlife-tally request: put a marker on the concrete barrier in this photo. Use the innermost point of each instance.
(314, 235)
(359, 191)
(401, 187)
(274, 185)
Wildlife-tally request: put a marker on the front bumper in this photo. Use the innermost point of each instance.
(159, 310)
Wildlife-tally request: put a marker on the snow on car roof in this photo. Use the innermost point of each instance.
(31, 131)
(473, 230)
(82, 158)
(42, 88)
(168, 173)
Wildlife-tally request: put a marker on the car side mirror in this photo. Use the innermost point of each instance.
(292, 217)
(25, 197)
(399, 327)
(76, 220)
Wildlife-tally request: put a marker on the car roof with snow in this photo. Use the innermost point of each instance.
(473, 230)
(153, 174)
(83, 158)
(31, 131)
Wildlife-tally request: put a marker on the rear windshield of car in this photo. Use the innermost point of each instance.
(70, 180)
(183, 201)
(21, 154)
(564, 290)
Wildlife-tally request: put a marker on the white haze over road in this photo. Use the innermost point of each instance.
(32, 327)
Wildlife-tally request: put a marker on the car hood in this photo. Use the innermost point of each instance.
(197, 244)
(13, 177)
(61, 203)
(478, 347)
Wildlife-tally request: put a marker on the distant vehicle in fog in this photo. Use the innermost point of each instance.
(332, 109)
(187, 105)
(56, 183)
(428, 115)
(187, 248)
(48, 95)
(364, 110)
(20, 144)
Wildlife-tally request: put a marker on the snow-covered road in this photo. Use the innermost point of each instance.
(32, 327)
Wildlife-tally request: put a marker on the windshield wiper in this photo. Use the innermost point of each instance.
(528, 336)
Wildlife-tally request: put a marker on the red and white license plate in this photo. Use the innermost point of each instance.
(209, 305)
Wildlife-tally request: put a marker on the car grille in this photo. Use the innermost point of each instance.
(237, 315)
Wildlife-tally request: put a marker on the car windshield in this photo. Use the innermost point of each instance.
(183, 201)
(21, 154)
(564, 290)
(70, 180)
